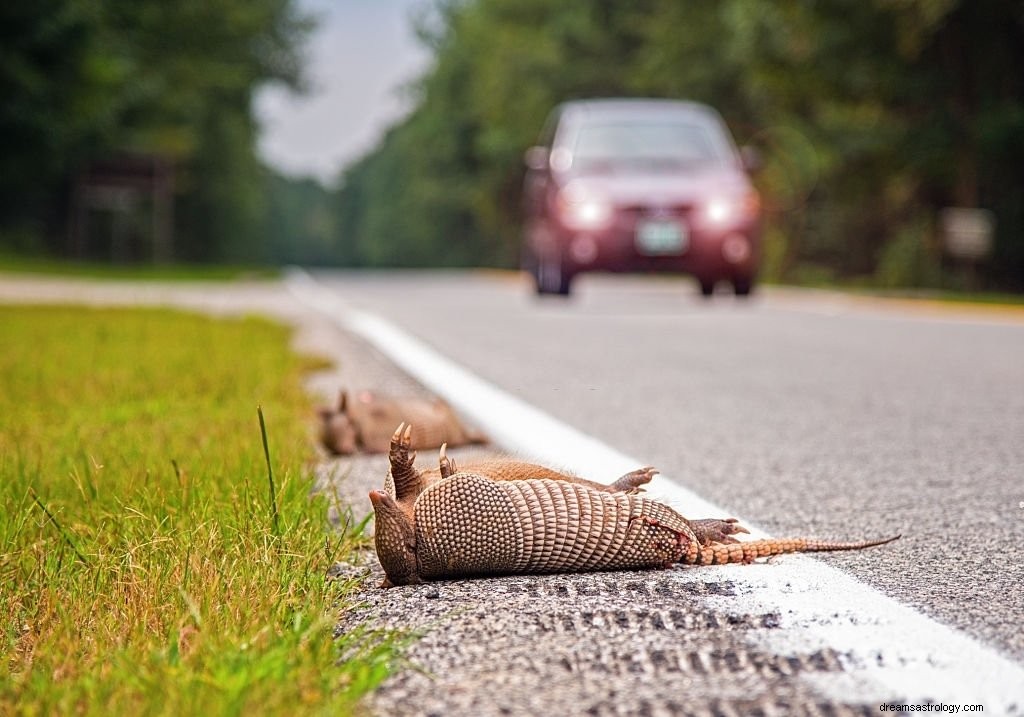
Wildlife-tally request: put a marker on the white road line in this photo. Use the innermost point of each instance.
(891, 653)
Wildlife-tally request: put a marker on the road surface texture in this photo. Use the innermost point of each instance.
(806, 413)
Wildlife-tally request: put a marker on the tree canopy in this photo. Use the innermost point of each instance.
(83, 80)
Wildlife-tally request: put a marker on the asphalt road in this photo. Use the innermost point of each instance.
(809, 413)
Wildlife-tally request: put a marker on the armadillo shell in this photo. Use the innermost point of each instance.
(469, 525)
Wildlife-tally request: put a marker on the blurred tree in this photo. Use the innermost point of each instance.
(83, 80)
(300, 222)
(55, 84)
(443, 188)
(890, 97)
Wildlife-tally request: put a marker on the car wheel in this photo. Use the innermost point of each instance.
(551, 279)
(707, 287)
(743, 286)
(529, 264)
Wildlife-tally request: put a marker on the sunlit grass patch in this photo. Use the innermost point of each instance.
(140, 568)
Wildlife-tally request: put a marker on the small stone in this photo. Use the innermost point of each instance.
(432, 594)
(335, 571)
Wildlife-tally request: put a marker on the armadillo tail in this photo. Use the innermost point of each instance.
(751, 550)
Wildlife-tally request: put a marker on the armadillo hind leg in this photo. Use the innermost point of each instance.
(715, 530)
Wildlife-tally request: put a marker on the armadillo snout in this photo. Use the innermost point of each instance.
(395, 540)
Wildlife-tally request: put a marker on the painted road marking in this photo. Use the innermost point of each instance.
(890, 652)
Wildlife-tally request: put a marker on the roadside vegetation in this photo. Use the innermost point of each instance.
(147, 566)
(23, 264)
(126, 81)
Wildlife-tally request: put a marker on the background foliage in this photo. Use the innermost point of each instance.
(83, 79)
(871, 116)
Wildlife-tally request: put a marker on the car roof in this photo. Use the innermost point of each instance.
(614, 108)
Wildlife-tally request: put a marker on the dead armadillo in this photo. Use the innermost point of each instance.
(503, 516)
(367, 422)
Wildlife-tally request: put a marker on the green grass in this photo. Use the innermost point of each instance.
(16, 264)
(142, 568)
(816, 277)
(952, 297)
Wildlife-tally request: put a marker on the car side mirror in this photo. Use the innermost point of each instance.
(536, 158)
(750, 158)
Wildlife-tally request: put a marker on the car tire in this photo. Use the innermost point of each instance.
(551, 278)
(529, 264)
(707, 287)
(742, 286)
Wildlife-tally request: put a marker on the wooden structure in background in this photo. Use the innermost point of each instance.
(122, 209)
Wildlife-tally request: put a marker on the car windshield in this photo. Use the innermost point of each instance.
(646, 145)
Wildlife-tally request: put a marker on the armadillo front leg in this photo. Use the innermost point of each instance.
(632, 481)
(407, 481)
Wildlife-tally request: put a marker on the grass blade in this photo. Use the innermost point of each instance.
(275, 521)
(60, 528)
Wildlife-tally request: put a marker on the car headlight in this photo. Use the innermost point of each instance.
(582, 207)
(731, 209)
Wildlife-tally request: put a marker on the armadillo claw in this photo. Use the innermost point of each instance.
(631, 482)
(396, 437)
(714, 530)
(448, 467)
(402, 437)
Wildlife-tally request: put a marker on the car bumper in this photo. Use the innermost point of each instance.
(721, 253)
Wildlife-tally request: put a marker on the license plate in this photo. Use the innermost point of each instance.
(660, 236)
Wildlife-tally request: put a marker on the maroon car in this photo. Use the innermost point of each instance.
(639, 185)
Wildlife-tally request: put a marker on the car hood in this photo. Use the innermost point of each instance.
(662, 188)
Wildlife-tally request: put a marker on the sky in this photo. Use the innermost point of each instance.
(358, 59)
